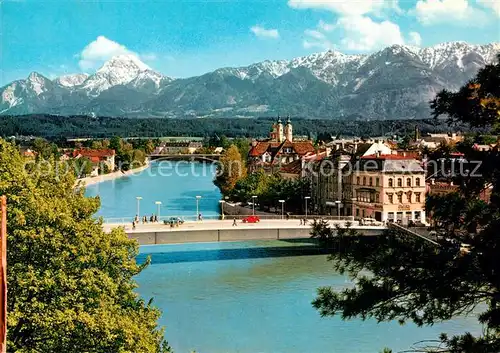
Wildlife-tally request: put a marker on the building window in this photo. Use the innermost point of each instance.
(357, 180)
(391, 198)
(377, 181)
(370, 181)
(408, 182)
(417, 197)
(417, 182)
(390, 182)
(408, 197)
(363, 211)
(400, 197)
(377, 197)
(357, 212)
(400, 182)
(364, 180)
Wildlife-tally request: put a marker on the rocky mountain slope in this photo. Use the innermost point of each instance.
(394, 83)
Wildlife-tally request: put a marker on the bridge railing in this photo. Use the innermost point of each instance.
(125, 220)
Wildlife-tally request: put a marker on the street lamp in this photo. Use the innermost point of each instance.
(138, 198)
(306, 198)
(338, 208)
(282, 208)
(158, 203)
(198, 207)
(222, 202)
(253, 204)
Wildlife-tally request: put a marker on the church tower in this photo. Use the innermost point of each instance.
(288, 130)
(279, 130)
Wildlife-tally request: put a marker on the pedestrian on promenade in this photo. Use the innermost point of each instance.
(136, 219)
(155, 219)
(200, 218)
(301, 221)
(133, 224)
(152, 218)
(234, 222)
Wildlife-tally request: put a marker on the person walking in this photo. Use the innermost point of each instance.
(301, 221)
(234, 222)
(133, 224)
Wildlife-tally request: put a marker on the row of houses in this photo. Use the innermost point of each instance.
(353, 177)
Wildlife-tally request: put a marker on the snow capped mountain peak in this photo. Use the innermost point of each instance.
(119, 70)
(128, 62)
(71, 81)
(37, 83)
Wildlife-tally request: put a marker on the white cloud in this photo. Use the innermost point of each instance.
(314, 34)
(343, 7)
(348, 7)
(361, 33)
(100, 50)
(431, 12)
(327, 27)
(492, 4)
(262, 32)
(415, 39)
(316, 39)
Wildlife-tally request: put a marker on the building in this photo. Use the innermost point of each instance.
(106, 156)
(326, 175)
(183, 147)
(385, 187)
(279, 149)
(441, 188)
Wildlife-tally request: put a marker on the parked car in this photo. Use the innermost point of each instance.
(251, 219)
(174, 221)
(370, 222)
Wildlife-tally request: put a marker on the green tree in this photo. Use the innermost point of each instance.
(149, 147)
(414, 280)
(82, 167)
(231, 169)
(71, 286)
(43, 148)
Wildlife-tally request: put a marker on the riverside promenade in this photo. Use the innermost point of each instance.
(224, 230)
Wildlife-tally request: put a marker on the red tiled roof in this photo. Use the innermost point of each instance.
(303, 147)
(294, 167)
(94, 153)
(387, 157)
(300, 147)
(259, 149)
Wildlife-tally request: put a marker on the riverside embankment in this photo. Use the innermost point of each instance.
(112, 176)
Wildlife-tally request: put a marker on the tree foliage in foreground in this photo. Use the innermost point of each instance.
(414, 280)
(70, 284)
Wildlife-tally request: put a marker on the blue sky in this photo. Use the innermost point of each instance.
(185, 38)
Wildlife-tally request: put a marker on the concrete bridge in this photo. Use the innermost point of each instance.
(185, 157)
(223, 230)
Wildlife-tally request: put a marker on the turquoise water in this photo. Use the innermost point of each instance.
(242, 297)
(252, 297)
(175, 185)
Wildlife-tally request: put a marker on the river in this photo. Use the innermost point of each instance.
(174, 184)
(245, 297)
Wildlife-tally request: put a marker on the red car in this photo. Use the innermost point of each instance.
(251, 219)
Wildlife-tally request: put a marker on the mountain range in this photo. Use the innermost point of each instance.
(394, 83)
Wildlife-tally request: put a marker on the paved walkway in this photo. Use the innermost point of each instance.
(224, 224)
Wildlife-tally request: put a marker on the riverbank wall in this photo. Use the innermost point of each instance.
(221, 235)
